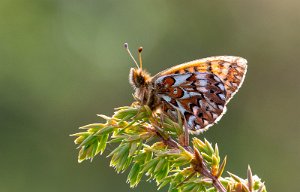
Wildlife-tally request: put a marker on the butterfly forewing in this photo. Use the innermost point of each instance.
(230, 69)
(200, 89)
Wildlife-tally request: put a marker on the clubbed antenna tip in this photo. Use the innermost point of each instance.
(128, 51)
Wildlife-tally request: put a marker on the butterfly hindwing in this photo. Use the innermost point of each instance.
(200, 97)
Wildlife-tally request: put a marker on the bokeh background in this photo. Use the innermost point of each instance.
(62, 62)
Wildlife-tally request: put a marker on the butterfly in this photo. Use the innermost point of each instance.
(199, 90)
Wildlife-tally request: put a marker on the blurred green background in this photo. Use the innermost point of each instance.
(62, 62)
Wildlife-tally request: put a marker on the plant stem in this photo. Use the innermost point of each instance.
(201, 168)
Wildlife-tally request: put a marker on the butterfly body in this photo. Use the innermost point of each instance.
(199, 89)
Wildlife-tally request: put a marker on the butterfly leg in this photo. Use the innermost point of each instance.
(175, 115)
(162, 119)
(184, 138)
(139, 102)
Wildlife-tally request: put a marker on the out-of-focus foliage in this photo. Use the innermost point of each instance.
(63, 61)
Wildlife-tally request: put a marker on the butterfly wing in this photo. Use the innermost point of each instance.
(200, 89)
(230, 69)
(199, 97)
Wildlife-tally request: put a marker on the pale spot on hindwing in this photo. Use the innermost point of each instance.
(199, 97)
(170, 79)
(166, 98)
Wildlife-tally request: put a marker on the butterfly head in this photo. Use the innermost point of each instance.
(138, 77)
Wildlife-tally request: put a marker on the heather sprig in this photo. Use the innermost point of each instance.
(152, 146)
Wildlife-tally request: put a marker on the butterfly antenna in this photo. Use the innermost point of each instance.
(128, 51)
(140, 57)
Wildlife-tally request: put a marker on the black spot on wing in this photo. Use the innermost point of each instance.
(200, 115)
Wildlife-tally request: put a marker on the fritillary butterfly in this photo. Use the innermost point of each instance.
(198, 89)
